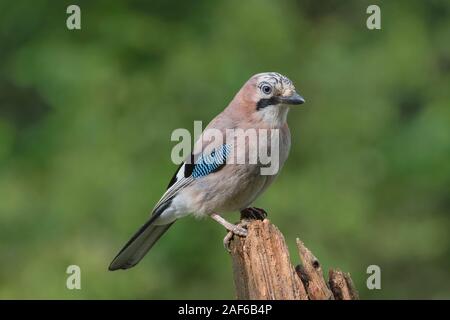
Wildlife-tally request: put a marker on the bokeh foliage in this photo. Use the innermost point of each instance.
(86, 118)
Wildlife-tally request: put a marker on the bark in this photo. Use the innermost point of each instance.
(342, 286)
(263, 270)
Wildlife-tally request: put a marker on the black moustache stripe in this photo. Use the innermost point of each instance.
(261, 104)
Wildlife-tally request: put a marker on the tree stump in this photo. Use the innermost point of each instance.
(262, 269)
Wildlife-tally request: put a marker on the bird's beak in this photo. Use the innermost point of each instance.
(295, 98)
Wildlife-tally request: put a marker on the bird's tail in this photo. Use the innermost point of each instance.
(139, 245)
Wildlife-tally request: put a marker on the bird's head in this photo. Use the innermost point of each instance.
(268, 96)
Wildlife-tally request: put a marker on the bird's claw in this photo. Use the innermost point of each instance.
(238, 230)
(247, 214)
(253, 213)
(227, 240)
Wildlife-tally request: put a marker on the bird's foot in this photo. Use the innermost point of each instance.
(238, 229)
(253, 213)
(247, 214)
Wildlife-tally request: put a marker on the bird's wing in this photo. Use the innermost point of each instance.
(149, 233)
(178, 182)
(197, 167)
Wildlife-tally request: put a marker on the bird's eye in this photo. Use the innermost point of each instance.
(266, 89)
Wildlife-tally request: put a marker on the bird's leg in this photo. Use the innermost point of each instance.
(253, 214)
(238, 229)
(235, 228)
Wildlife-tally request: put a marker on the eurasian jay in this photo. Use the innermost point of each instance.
(208, 183)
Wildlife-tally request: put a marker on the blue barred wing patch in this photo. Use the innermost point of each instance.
(212, 162)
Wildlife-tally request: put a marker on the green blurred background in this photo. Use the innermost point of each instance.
(86, 118)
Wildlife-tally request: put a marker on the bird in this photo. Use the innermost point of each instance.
(206, 183)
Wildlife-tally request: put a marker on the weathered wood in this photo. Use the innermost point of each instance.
(311, 274)
(263, 270)
(262, 267)
(342, 285)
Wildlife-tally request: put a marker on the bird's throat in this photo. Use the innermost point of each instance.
(274, 116)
